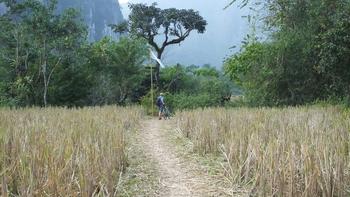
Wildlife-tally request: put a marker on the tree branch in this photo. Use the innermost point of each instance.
(166, 35)
(178, 40)
(150, 38)
(153, 44)
(177, 77)
(52, 70)
(180, 29)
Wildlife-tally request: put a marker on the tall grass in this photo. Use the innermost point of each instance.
(277, 152)
(63, 152)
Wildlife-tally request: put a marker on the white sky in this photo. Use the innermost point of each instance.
(123, 1)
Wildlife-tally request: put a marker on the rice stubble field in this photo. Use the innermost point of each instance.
(296, 151)
(64, 152)
(301, 151)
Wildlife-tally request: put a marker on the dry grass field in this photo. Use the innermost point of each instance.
(276, 152)
(266, 152)
(63, 152)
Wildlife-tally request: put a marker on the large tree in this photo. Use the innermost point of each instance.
(36, 42)
(152, 23)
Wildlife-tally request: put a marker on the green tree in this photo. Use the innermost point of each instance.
(151, 22)
(55, 36)
(305, 58)
(14, 59)
(37, 41)
(117, 68)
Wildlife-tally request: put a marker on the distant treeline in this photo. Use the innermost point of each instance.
(46, 60)
(305, 58)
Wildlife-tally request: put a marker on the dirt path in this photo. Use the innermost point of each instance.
(177, 177)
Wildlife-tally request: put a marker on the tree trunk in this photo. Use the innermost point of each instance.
(44, 70)
(47, 79)
(44, 67)
(45, 95)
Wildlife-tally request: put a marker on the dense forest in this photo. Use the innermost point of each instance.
(46, 60)
(304, 57)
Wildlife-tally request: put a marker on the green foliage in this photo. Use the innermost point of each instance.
(45, 59)
(36, 43)
(148, 21)
(183, 101)
(117, 69)
(191, 87)
(71, 85)
(206, 71)
(176, 79)
(306, 57)
(194, 86)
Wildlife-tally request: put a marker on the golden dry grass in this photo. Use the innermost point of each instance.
(277, 152)
(63, 152)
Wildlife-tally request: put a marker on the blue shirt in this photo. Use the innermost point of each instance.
(161, 99)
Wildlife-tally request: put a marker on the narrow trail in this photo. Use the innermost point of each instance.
(178, 177)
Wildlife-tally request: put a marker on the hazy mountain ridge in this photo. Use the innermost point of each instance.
(96, 14)
(2, 8)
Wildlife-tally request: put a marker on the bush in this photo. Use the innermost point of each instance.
(182, 101)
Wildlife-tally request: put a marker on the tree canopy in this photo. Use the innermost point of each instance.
(35, 43)
(45, 59)
(305, 58)
(150, 22)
